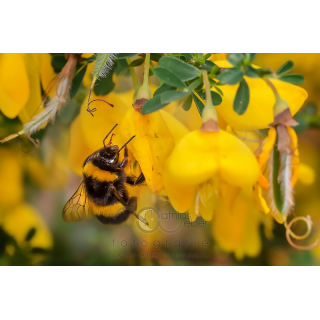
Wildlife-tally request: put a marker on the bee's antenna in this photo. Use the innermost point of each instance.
(108, 135)
(126, 143)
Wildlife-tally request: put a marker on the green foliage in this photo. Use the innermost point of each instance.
(170, 96)
(293, 78)
(241, 100)
(216, 98)
(103, 86)
(230, 76)
(153, 105)
(286, 67)
(162, 88)
(126, 55)
(168, 77)
(186, 105)
(235, 59)
(180, 69)
(77, 80)
(198, 102)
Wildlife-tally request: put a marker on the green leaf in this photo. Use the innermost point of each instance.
(230, 76)
(134, 63)
(286, 67)
(241, 100)
(105, 85)
(152, 105)
(30, 234)
(199, 104)
(171, 96)
(186, 56)
(293, 78)
(251, 72)
(187, 103)
(216, 98)
(104, 63)
(252, 55)
(168, 77)
(58, 62)
(235, 59)
(162, 88)
(219, 90)
(195, 84)
(208, 65)
(77, 80)
(126, 55)
(122, 68)
(182, 70)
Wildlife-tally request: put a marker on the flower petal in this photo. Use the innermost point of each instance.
(151, 146)
(14, 84)
(32, 61)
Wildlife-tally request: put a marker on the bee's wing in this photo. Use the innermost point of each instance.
(77, 209)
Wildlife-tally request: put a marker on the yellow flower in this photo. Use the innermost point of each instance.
(20, 220)
(260, 110)
(200, 161)
(237, 229)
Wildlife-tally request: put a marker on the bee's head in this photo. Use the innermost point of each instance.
(110, 154)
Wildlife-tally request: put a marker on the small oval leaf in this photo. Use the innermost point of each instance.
(293, 78)
(162, 88)
(241, 100)
(187, 103)
(168, 77)
(171, 96)
(182, 70)
(215, 96)
(198, 102)
(230, 76)
(152, 105)
(286, 67)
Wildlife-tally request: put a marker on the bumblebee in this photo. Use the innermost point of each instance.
(103, 192)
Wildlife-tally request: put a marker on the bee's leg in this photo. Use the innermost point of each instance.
(125, 159)
(139, 180)
(129, 205)
(132, 203)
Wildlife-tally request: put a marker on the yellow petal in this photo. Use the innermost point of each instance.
(180, 196)
(260, 110)
(306, 174)
(47, 74)
(11, 183)
(151, 146)
(96, 128)
(237, 164)
(295, 160)
(201, 155)
(177, 129)
(237, 230)
(195, 158)
(33, 62)
(21, 220)
(78, 149)
(14, 84)
(259, 202)
(264, 155)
